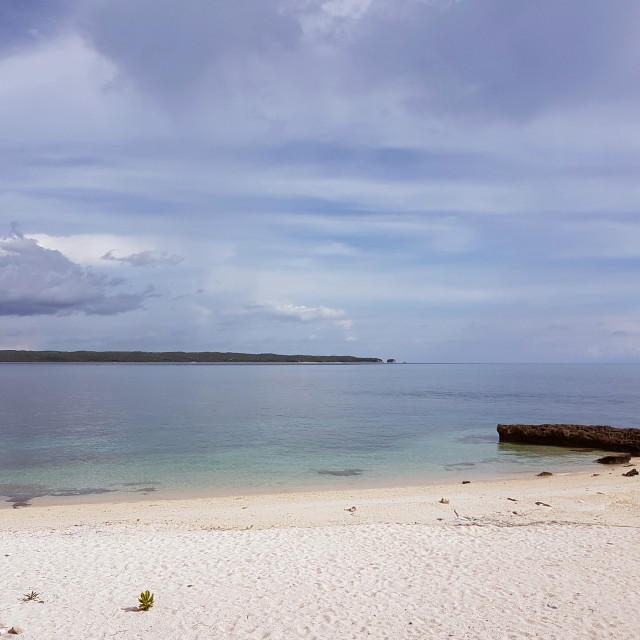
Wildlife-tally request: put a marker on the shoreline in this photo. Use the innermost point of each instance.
(148, 490)
(594, 495)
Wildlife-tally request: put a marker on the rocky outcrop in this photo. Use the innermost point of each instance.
(573, 435)
(620, 459)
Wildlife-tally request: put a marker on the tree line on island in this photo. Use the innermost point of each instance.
(168, 356)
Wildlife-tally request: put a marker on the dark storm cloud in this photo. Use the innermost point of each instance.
(24, 23)
(511, 59)
(39, 281)
(169, 47)
(472, 57)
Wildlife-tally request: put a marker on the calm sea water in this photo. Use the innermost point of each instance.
(123, 429)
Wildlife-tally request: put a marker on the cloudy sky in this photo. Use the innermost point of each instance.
(428, 180)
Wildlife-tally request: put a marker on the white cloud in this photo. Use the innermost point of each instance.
(335, 249)
(145, 258)
(91, 249)
(88, 249)
(331, 18)
(352, 9)
(320, 316)
(300, 312)
(345, 324)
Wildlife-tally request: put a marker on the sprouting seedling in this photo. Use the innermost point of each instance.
(146, 600)
(30, 596)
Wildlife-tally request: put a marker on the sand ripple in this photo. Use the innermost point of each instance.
(364, 581)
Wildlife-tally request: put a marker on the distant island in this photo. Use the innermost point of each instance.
(167, 356)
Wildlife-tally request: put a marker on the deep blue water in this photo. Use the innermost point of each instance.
(88, 428)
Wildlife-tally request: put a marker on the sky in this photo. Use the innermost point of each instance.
(424, 180)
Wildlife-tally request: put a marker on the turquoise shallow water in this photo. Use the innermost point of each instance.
(123, 429)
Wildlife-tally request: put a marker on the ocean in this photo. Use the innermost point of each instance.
(82, 431)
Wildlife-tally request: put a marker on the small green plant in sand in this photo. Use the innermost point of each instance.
(145, 600)
(30, 596)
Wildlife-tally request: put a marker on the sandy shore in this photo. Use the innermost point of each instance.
(530, 557)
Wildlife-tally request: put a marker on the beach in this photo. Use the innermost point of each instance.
(520, 557)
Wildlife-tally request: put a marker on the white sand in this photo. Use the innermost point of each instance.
(401, 565)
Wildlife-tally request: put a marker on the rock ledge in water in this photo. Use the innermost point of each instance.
(573, 435)
(621, 459)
